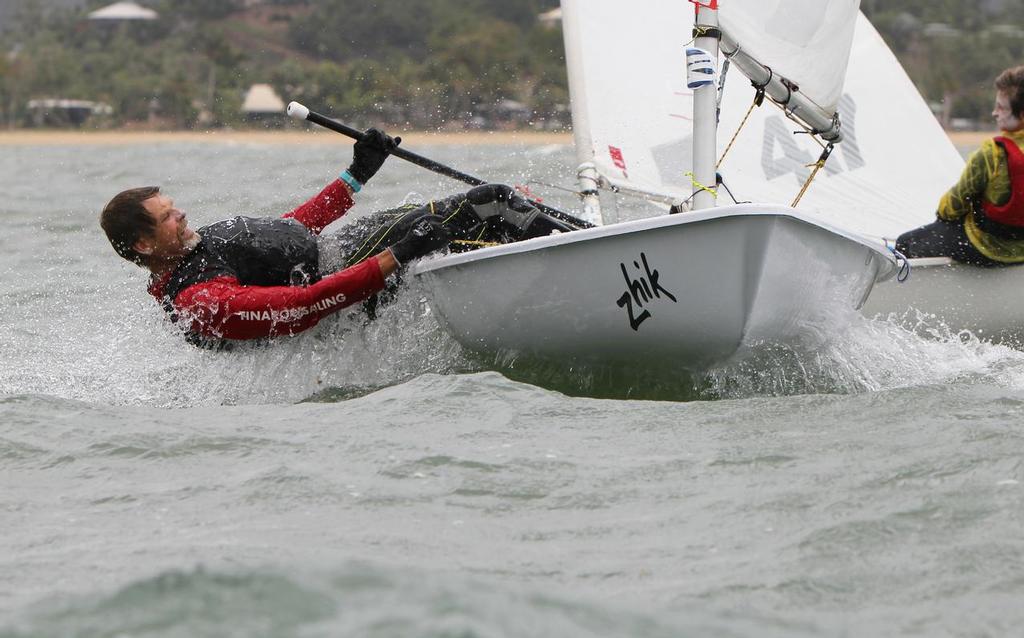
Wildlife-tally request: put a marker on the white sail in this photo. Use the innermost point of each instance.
(631, 109)
(805, 41)
(886, 176)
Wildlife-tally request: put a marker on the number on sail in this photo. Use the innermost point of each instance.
(793, 159)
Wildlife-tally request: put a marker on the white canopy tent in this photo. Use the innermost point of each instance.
(261, 99)
(123, 11)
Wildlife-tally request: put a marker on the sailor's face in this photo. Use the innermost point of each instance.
(1003, 114)
(171, 236)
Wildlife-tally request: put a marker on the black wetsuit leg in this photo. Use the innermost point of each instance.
(942, 239)
(372, 233)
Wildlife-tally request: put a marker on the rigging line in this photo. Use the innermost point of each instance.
(448, 218)
(825, 153)
(555, 186)
(356, 256)
(731, 196)
(678, 208)
(699, 186)
(757, 99)
(700, 31)
(475, 242)
(806, 129)
(901, 262)
(820, 164)
(790, 115)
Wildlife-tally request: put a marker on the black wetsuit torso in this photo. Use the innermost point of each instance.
(262, 251)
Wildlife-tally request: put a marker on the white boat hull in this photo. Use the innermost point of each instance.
(984, 301)
(689, 290)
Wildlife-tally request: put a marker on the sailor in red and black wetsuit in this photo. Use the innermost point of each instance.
(981, 219)
(251, 278)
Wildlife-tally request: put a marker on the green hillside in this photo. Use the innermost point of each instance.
(414, 63)
(952, 49)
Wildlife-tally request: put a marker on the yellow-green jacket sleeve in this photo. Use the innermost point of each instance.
(982, 163)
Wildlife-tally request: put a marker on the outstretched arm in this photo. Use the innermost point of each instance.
(225, 309)
(368, 156)
(327, 206)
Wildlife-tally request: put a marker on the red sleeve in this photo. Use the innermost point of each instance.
(224, 308)
(327, 206)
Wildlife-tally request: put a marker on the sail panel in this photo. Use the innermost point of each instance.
(806, 41)
(628, 85)
(886, 177)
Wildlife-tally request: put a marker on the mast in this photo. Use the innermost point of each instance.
(587, 175)
(702, 69)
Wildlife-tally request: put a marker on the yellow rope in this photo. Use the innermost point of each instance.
(806, 129)
(700, 32)
(356, 255)
(474, 242)
(820, 164)
(449, 218)
(737, 134)
(698, 185)
(817, 167)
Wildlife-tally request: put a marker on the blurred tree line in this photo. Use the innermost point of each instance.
(953, 50)
(415, 63)
(409, 63)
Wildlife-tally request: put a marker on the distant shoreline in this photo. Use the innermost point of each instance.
(22, 137)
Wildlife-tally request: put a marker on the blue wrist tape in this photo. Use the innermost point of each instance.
(351, 181)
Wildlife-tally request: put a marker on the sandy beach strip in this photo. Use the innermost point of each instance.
(35, 137)
(22, 137)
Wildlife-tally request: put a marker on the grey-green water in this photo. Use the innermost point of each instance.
(377, 480)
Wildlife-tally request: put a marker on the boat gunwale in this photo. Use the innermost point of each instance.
(877, 245)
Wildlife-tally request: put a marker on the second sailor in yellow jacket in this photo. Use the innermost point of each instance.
(981, 219)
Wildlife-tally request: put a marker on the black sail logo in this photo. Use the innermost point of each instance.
(642, 289)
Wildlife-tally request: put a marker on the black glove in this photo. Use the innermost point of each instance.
(370, 152)
(490, 193)
(426, 236)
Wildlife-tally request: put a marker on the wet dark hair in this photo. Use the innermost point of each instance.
(1011, 82)
(125, 220)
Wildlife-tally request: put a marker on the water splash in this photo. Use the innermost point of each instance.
(868, 355)
(848, 354)
(125, 352)
(78, 324)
